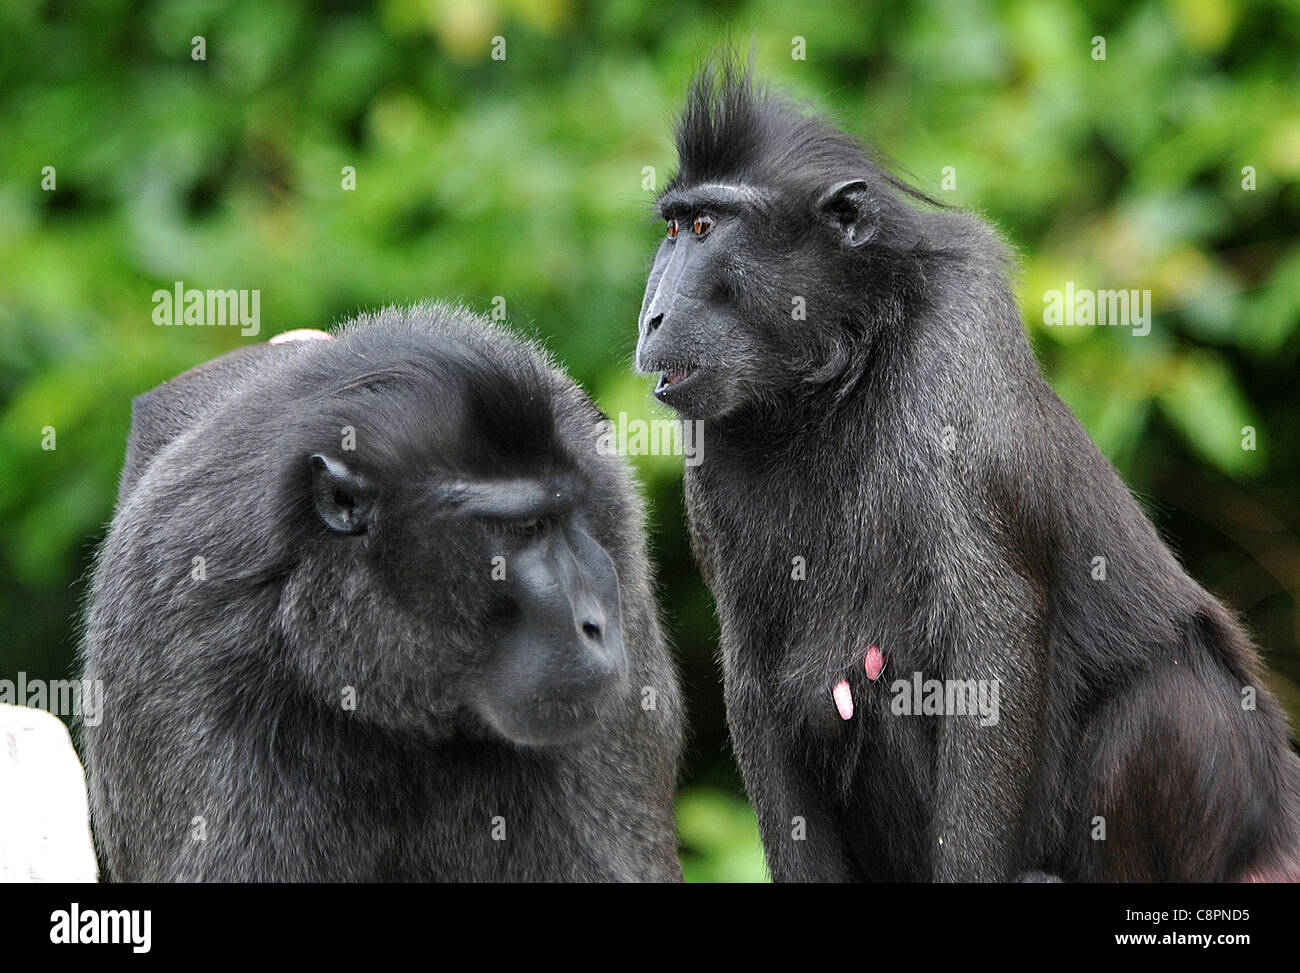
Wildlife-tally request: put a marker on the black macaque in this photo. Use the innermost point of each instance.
(888, 484)
(377, 608)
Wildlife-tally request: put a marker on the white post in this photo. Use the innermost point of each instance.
(44, 820)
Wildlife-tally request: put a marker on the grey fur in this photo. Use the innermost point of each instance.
(948, 507)
(224, 752)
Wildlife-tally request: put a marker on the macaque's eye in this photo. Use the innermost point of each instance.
(702, 225)
(673, 229)
(525, 528)
(530, 528)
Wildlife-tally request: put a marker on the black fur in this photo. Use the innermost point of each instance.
(225, 752)
(949, 507)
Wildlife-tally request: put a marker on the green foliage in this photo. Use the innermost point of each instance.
(523, 178)
(719, 837)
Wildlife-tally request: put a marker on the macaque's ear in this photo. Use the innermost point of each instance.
(848, 208)
(344, 501)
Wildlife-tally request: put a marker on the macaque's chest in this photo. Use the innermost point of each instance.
(858, 713)
(839, 701)
(825, 652)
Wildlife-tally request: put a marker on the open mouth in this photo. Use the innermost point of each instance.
(673, 378)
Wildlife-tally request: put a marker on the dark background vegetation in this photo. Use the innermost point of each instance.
(523, 179)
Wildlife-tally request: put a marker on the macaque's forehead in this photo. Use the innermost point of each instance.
(711, 197)
(459, 418)
(505, 435)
